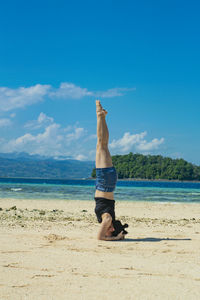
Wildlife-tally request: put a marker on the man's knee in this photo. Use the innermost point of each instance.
(102, 146)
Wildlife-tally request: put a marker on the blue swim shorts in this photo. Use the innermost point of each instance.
(106, 179)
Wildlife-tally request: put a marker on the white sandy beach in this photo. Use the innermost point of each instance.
(49, 251)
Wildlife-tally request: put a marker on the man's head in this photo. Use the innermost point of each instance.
(118, 227)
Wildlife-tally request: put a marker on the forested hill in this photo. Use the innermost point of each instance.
(153, 167)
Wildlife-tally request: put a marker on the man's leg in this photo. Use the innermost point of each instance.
(103, 157)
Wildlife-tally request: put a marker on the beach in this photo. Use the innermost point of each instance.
(49, 250)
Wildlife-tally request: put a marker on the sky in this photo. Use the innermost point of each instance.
(140, 58)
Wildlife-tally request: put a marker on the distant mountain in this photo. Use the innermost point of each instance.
(23, 165)
(25, 156)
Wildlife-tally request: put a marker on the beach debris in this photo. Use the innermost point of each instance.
(84, 210)
(55, 237)
(42, 212)
(13, 208)
(1, 208)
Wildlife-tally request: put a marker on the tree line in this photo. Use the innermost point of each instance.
(150, 167)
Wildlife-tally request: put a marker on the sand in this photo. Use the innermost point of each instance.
(49, 251)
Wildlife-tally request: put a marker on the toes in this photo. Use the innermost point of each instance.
(105, 111)
(99, 109)
(98, 102)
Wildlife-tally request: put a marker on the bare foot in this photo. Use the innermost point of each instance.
(99, 109)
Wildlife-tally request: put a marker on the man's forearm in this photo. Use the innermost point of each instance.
(110, 238)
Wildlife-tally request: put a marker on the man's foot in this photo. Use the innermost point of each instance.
(99, 109)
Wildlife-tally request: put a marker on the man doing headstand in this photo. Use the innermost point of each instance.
(106, 178)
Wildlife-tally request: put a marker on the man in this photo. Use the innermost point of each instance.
(106, 178)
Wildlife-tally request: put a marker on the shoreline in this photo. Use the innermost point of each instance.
(93, 179)
(159, 180)
(92, 201)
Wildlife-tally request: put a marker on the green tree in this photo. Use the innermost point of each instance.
(153, 167)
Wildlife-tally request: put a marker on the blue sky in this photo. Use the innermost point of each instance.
(141, 58)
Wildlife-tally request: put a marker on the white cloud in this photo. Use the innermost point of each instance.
(69, 91)
(44, 143)
(12, 115)
(73, 141)
(5, 122)
(42, 120)
(53, 141)
(134, 141)
(68, 128)
(75, 135)
(21, 97)
(81, 157)
(24, 96)
(91, 137)
(116, 92)
(148, 146)
(126, 143)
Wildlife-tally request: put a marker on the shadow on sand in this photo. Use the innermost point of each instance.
(151, 239)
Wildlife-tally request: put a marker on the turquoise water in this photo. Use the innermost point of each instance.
(84, 190)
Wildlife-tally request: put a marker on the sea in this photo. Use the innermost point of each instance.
(83, 189)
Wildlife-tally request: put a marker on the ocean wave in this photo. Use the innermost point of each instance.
(16, 189)
(196, 194)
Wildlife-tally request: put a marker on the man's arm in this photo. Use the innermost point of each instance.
(120, 236)
(106, 223)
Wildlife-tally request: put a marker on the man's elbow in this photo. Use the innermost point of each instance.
(100, 238)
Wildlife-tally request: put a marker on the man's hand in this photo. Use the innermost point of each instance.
(120, 236)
